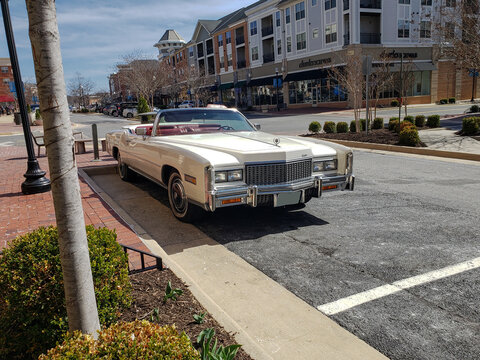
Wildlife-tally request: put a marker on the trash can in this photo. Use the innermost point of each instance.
(17, 118)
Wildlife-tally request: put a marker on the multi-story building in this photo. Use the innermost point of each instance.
(169, 43)
(283, 49)
(6, 77)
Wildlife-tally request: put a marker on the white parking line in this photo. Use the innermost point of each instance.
(349, 302)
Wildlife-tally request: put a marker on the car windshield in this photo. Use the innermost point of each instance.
(196, 120)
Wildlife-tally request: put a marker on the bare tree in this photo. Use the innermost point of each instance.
(80, 89)
(381, 79)
(458, 34)
(198, 84)
(351, 78)
(77, 274)
(142, 76)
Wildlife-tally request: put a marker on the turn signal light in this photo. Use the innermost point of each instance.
(329, 187)
(231, 201)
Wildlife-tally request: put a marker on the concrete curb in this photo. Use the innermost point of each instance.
(408, 150)
(249, 344)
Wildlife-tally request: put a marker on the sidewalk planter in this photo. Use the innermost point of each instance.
(17, 119)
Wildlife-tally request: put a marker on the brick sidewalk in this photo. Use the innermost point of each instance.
(20, 213)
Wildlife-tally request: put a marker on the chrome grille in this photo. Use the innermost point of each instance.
(276, 173)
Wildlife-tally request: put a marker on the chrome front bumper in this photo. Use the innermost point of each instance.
(249, 195)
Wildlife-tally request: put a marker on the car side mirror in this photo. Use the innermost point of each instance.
(258, 126)
(141, 131)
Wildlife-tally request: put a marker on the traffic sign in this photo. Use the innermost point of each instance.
(473, 72)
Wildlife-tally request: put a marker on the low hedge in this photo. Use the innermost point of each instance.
(409, 136)
(353, 126)
(405, 124)
(33, 316)
(378, 123)
(433, 121)
(329, 127)
(342, 127)
(409, 118)
(474, 109)
(470, 125)
(452, 100)
(392, 123)
(363, 123)
(394, 103)
(314, 127)
(443, 101)
(134, 340)
(420, 120)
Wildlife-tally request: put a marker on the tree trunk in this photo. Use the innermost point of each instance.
(77, 275)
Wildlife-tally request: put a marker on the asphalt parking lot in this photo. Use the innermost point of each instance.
(408, 216)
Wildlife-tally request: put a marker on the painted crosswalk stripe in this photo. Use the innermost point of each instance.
(351, 301)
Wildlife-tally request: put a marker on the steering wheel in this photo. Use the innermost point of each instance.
(226, 127)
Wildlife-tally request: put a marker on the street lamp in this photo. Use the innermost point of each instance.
(276, 87)
(35, 182)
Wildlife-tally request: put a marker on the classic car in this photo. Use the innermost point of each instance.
(209, 158)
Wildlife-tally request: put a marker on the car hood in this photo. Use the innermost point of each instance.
(230, 148)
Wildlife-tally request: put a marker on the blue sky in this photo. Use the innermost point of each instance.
(95, 34)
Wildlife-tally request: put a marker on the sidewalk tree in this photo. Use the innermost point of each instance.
(458, 37)
(80, 89)
(58, 136)
(380, 80)
(351, 78)
(141, 75)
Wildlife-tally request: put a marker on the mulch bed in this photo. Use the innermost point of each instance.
(381, 136)
(148, 289)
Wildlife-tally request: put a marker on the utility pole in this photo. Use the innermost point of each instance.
(401, 91)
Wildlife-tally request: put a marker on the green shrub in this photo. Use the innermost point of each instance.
(314, 127)
(329, 127)
(394, 103)
(409, 136)
(378, 123)
(470, 125)
(353, 126)
(342, 127)
(392, 123)
(420, 120)
(134, 340)
(29, 108)
(37, 114)
(32, 302)
(405, 124)
(85, 110)
(363, 124)
(443, 101)
(433, 121)
(451, 100)
(142, 106)
(474, 109)
(409, 118)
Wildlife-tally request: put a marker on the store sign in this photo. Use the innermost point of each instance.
(311, 62)
(397, 55)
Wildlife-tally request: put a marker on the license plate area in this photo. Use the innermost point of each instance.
(287, 198)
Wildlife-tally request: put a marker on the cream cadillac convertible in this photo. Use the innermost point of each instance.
(211, 158)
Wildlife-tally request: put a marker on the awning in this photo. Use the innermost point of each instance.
(262, 81)
(6, 98)
(240, 84)
(225, 86)
(307, 75)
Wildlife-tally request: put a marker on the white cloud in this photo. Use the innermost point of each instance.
(95, 34)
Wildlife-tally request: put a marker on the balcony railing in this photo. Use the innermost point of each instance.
(239, 40)
(241, 64)
(268, 58)
(346, 39)
(346, 4)
(370, 38)
(267, 30)
(371, 4)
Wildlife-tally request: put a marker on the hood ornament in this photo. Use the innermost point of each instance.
(276, 141)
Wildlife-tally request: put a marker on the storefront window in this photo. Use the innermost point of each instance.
(266, 95)
(315, 91)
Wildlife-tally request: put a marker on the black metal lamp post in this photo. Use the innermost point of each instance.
(276, 87)
(35, 182)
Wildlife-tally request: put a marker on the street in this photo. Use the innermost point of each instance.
(408, 216)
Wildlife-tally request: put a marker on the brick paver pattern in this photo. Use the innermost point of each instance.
(20, 214)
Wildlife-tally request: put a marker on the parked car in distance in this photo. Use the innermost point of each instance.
(187, 104)
(213, 158)
(130, 112)
(174, 104)
(126, 105)
(111, 109)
